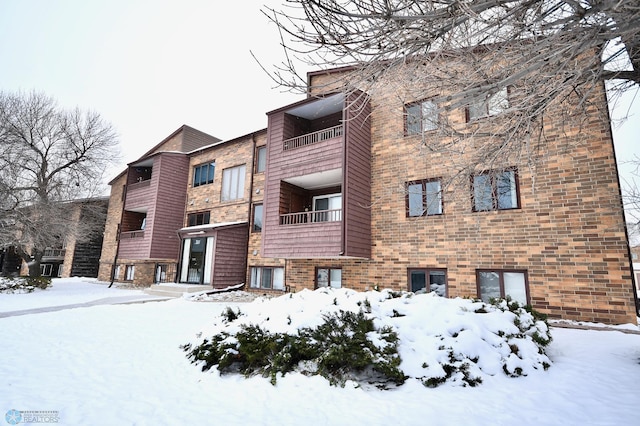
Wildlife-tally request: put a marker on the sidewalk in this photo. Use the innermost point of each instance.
(116, 300)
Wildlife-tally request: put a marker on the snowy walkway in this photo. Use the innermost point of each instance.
(116, 300)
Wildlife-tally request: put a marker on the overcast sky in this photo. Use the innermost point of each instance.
(150, 66)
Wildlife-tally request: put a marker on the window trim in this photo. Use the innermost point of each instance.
(501, 273)
(210, 164)
(256, 169)
(494, 189)
(426, 271)
(129, 268)
(253, 218)
(261, 268)
(206, 214)
(241, 178)
(422, 118)
(425, 201)
(329, 269)
(485, 103)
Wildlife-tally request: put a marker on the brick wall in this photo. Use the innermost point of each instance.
(568, 234)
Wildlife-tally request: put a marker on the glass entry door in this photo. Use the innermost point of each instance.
(195, 262)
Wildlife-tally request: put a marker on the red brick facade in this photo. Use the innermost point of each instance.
(563, 238)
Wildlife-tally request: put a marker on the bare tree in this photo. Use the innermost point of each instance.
(511, 61)
(49, 157)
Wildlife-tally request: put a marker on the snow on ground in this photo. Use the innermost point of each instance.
(68, 291)
(121, 364)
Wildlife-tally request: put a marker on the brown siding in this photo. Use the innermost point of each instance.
(357, 178)
(168, 209)
(230, 261)
(308, 240)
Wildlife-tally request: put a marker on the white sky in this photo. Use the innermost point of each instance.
(150, 66)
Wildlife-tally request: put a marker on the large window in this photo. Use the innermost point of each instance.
(421, 117)
(257, 218)
(495, 190)
(424, 198)
(329, 277)
(201, 218)
(494, 284)
(428, 280)
(261, 159)
(203, 174)
(233, 183)
(267, 277)
(489, 105)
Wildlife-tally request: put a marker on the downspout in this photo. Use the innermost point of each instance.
(119, 230)
(343, 243)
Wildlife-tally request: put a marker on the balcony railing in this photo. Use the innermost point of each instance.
(311, 138)
(132, 234)
(54, 253)
(311, 217)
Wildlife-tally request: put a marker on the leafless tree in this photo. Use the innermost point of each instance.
(513, 59)
(50, 157)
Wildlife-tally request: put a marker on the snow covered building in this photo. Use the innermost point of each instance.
(337, 191)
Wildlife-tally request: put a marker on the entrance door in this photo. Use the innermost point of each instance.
(196, 260)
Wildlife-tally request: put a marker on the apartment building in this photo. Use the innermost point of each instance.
(71, 256)
(337, 192)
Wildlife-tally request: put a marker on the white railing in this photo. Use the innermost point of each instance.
(311, 138)
(311, 217)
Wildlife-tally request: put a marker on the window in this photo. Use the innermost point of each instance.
(424, 198)
(502, 284)
(421, 117)
(327, 208)
(129, 272)
(195, 219)
(203, 174)
(267, 278)
(257, 218)
(495, 191)
(233, 183)
(428, 281)
(116, 273)
(45, 269)
(261, 159)
(489, 105)
(328, 277)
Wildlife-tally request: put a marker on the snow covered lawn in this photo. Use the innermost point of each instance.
(121, 364)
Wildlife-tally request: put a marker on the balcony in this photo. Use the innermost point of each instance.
(312, 138)
(311, 217)
(319, 179)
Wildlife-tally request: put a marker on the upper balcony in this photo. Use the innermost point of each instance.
(140, 194)
(318, 180)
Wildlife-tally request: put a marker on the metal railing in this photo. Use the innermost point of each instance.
(311, 138)
(311, 217)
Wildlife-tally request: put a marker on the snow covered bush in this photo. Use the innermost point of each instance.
(23, 284)
(375, 338)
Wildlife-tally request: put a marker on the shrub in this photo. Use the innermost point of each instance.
(23, 284)
(339, 349)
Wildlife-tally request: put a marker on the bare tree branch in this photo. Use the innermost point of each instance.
(48, 157)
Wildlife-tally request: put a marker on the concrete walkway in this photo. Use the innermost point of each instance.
(116, 300)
